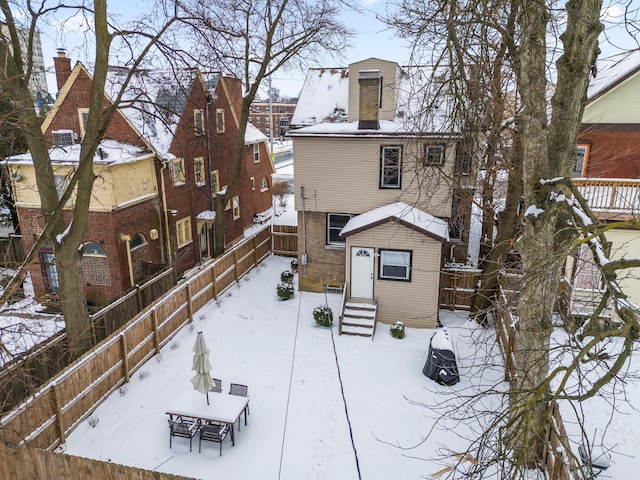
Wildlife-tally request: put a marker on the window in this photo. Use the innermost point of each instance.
(236, 207)
(395, 265)
(137, 241)
(267, 120)
(61, 182)
(253, 183)
(220, 120)
(83, 117)
(433, 154)
(335, 223)
(51, 272)
(91, 248)
(62, 138)
(581, 160)
(284, 122)
(198, 122)
(256, 152)
(177, 169)
(586, 273)
(264, 185)
(266, 109)
(215, 181)
(390, 166)
(198, 166)
(183, 230)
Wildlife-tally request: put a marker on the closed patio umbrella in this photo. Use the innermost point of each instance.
(202, 380)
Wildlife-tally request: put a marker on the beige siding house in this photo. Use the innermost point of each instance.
(364, 153)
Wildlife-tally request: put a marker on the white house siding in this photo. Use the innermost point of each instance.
(342, 175)
(617, 106)
(415, 303)
(390, 76)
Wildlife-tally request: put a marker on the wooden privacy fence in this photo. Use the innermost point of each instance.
(46, 418)
(285, 240)
(457, 287)
(19, 378)
(22, 463)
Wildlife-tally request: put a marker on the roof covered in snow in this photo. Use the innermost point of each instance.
(403, 214)
(322, 107)
(613, 70)
(107, 153)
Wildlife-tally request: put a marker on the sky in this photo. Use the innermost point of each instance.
(372, 38)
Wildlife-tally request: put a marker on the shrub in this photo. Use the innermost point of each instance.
(294, 265)
(397, 330)
(323, 315)
(285, 290)
(286, 276)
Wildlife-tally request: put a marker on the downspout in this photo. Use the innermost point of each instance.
(127, 243)
(165, 213)
(304, 234)
(211, 96)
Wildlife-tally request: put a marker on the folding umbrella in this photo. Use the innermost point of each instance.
(202, 380)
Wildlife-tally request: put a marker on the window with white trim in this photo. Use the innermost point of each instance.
(264, 184)
(220, 120)
(395, 265)
(236, 207)
(256, 152)
(215, 181)
(582, 155)
(177, 170)
(62, 138)
(83, 118)
(433, 154)
(198, 167)
(183, 231)
(390, 164)
(198, 122)
(253, 183)
(335, 223)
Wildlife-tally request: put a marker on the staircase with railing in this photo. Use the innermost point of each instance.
(357, 317)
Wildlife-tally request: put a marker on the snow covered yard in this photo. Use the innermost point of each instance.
(298, 427)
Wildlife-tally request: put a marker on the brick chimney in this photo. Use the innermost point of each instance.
(62, 65)
(370, 96)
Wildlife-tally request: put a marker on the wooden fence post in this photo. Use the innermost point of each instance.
(154, 325)
(214, 281)
(139, 298)
(255, 252)
(58, 409)
(125, 358)
(189, 303)
(235, 264)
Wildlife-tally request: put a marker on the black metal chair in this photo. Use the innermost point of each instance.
(181, 427)
(241, 391)
(213, 432)
(217, 385)
(596, 463)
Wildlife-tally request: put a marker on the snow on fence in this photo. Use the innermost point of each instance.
(31, 463)
(50, 414)
(457, 287)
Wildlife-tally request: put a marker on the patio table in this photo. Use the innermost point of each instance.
(222, 408)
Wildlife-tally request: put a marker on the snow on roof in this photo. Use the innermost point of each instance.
(107, 153)
(253, 135)
(405, 214)
(324, 97)
(153, 101)
(612, 70)
(206, 215)
(323, 103)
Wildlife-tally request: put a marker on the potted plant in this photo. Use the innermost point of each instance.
(323, 315)
(397, 329)
(285, 290)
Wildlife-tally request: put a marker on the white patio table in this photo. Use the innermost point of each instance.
(222, 408)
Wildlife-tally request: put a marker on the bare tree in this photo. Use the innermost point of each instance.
(67, 236)
(253, 40)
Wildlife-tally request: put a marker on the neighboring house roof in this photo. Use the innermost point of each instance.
(323, 104)
(613, 70)
(107, 153)
(253, 135)
(404, 214)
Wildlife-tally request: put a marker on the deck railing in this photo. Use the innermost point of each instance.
(610, 194)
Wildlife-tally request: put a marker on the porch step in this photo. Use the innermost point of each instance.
(359, 318)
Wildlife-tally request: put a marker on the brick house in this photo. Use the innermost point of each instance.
(607, 173)
(375, 195)
(162, 160)
(273, 119)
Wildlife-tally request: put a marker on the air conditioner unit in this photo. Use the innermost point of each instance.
(16, 177)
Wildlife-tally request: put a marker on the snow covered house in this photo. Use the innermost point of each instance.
(376, 188)
(607, 173)
(163, 158)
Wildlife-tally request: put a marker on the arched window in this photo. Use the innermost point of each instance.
(264, 184)
(138, 241)
(95, 267)
(93, 249)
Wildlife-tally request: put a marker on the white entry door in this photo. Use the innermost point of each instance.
(361, 272)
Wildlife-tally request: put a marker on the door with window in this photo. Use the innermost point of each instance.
(362, 272)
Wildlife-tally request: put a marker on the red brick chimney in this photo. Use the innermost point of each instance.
(62, 65)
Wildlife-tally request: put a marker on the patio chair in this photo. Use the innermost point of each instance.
(241, 391)
(596, 462)
(217, 387)
(181, 427)
(213, 432)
